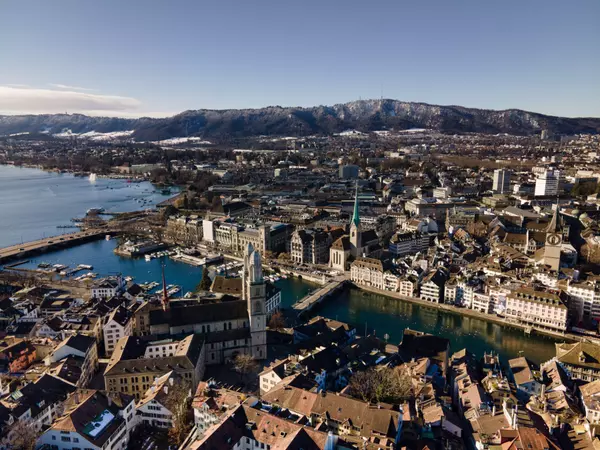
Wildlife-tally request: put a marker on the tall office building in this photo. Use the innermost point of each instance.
(349, 171)
(547, 183)
(501, 181)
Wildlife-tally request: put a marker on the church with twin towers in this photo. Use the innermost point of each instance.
(229, 328)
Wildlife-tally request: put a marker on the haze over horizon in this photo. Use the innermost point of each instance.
(134, 58)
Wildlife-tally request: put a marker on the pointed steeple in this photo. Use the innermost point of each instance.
(165, 298)
(554, 225)
(355, 216)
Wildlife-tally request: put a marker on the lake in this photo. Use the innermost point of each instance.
(33, 203)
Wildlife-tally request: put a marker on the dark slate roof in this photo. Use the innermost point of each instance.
(134, 289)
(80, 342)
(416, 344)
(342, 243)
(128, 357)
(47, 388)
(120, 315)
(203, 313)
(368, 236)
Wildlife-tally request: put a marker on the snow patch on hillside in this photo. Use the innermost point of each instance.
(182, 140)
(351, 133)
(95, 135)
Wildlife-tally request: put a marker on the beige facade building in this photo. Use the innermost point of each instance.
(367, 272)
(135, 364)
(581, 359)
(235, 237)
(536, 308)
(310, 247)
(187, 230)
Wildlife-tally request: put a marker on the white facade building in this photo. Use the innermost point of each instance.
(501, 181)
(547, 183)
(118, 325)
(584, 299)
(536, 308)
(155, 409)
(100, 421)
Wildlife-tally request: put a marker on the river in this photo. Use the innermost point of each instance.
(381, 315)
(33, 203)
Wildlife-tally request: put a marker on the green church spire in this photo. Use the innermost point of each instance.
(356, 217)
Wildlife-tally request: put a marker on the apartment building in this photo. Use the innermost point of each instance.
(367, 272)
(409, 243)
(501, 181)
(236, 237)
(184, 229)
(584, 299)
(432, 287)
(108, 287)
(119, 324)
(79, 346)
(536, 308)
(590, 398)
(580, 360)
(37, 404)
(310, 247)
(407, 287)
(156, 407)
(482, 302)
(92, 420)
(135, 364)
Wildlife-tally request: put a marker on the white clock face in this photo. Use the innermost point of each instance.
(553, 239)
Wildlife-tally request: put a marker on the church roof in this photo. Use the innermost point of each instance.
(342, 243)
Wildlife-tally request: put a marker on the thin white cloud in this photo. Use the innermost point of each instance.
(18, 85)
(69, 88)
(46, 101)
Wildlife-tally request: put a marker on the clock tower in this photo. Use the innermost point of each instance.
(553, 242)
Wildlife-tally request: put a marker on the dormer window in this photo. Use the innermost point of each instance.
(581, 357)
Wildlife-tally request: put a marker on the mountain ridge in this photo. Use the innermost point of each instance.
(362, 115)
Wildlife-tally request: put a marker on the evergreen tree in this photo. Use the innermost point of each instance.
(206, 282)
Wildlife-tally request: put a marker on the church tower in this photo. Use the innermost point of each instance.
(255, 296)
(553, 243)
(355, 233)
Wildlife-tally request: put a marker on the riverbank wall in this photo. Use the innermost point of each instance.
(320, 280)
(567, 336)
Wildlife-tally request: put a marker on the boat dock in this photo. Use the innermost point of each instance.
(20, 251)
(307, 303)
(197, 261)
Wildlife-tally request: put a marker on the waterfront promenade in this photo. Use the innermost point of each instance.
(26, 249)
(567, 336)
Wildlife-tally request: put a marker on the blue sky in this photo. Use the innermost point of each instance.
(157, 57)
